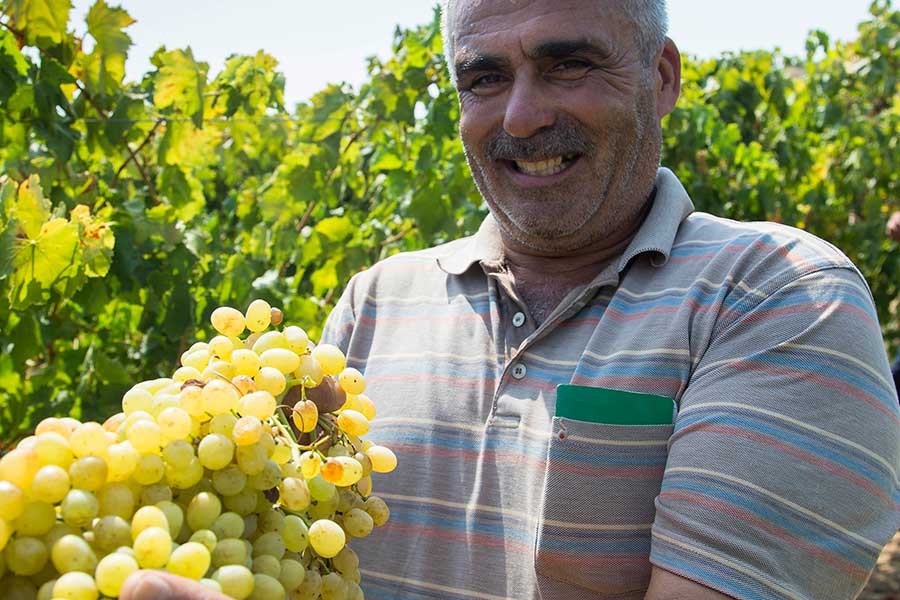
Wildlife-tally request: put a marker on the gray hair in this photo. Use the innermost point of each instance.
(650, 16)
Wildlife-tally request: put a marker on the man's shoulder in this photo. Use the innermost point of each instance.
(757, 241)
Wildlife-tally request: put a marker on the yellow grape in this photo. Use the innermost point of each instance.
(182, 374)
(145, 436)
(353, 422)
(221, 346)
(383, 459)
(364, 485)
(309, 371)
(217, 369)
(122, 459)
(270, 380)
(327, 538)
(247, 430)
(280, 358)
(12, 501)
(244, 384)
(332, 470)
(297, 340)
(258, 315)
(19, 466)
(75, 586)
(351, 473)
(330, 358)
(136, 399)
(191, 400)
(50, 484)
(270, 339)
(152, 547)
(365, 405)
(219, 397)
(228, 321)
(198, 359)
(306, 415)
(37, 518)
(260, 404)
(174, 423)
(189, 560)
(5, 533)
(352, 381)
(310, 463)
(245, 362)
(112, 571)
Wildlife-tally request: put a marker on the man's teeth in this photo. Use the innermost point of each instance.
(543, 168)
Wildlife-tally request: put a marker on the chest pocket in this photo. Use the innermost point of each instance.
(598, 508)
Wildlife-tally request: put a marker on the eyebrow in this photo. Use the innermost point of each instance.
(548, 49)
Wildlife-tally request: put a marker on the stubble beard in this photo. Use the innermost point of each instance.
(580, 214)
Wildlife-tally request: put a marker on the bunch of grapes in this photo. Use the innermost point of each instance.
(246, 470)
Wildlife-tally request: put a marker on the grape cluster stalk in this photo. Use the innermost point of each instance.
(246, 470)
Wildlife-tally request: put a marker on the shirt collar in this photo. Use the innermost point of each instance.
(671, 206)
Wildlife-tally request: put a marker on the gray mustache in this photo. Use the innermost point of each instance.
(561, 140)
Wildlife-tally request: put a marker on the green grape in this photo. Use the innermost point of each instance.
(203, 511)
(75, 586)
(187, 477)
(112, 571)
(269, 543)
(295, 534)
(45, 592)
(211, 584)
(378, 510)
(73, 553)
(310, 463)
(122, 460)
(178, 453)
(354, 592)
(54, 449)
(243, 503)
(205, 537)
(229, 481)
(326, 537)
(346, 560)
(251, 524)
(26, 555)
(268, 478)
(136, 399)
(236, 581)
(215, 451)
(150, 469)
(266, 587)
(37, 518)
(152, 547)
(323, 509)
(228, 525)
(358, 523)
(310, 587)
(230, 551)
(320, 489)
(79, 508)
(189, 560)
(12, 501)
(267, 565)
(155, 493)
(251, 459)
(295, 494)
(89, 473)
(271, 520)
(291, 574)
(111, 532)
(334, 587)
(116, 499)
(146, 517)
(174, 516)
(309, 372)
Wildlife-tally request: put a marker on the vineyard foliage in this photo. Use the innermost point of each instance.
(131, 209)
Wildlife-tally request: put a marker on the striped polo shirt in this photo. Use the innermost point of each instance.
(778, 478)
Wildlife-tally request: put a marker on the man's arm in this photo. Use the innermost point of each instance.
(665, 585)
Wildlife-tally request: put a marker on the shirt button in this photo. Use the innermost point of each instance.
(519, 371)
(518, 319)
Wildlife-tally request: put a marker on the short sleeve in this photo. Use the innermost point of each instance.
(781, 480)
(339, 325)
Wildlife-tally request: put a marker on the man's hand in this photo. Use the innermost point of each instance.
(893, 227)
(156, 585)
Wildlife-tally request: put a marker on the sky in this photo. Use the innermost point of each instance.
(318, 42)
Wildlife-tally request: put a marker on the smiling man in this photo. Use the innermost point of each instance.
(771, 470)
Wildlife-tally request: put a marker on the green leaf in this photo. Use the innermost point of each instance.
(41, 20)
(13, 65)
(179, 83)
(97, 242)
(336, 229)
(30, 208)
(42, 260)
(183, 192)
(105, 66)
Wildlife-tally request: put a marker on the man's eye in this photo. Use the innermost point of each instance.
(572, 66)
(485, 81)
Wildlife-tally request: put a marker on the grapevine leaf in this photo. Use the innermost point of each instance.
(97, 241)
(336, 229)
(41, 260)
(31, 209)
(105, 66)
(13, 66)
(42, 20)
(179, 83)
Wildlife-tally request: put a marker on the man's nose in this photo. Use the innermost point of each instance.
(528, 110)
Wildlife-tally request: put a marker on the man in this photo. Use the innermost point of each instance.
(778, 477)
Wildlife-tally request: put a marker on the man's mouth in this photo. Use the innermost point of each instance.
(544, 168)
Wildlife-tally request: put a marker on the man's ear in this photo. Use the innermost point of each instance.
(668, 78)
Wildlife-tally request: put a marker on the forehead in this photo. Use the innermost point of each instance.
(488, 25)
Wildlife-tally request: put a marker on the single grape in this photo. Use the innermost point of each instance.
(149, 470)
(79, 508)
(258, 315)
(12, 501)
(229, 481)
(221, 346)
(247, 430)
(270, 339)
(330, 358)
(111, 532)
(54, 449)
(116, 499)
(122, 460)
(145, 436)
(358, 523)
(267, 565)
(383, 459)
(305, 415)
(152, 547)
(334, 587)
(26, 556)
(215, 451)
(203, 511)
(75, 586)
(205, 537)
(266, 587)
(146, 517)
(245, 362)
(229, 551)
(352, 381)
(297, 339)
(219, 397)
(189, 560)
(353, 422)
(228, 525)
(227, 321)
(326, 537)
(269, 543)
(19, 466)
(291, 574)
(37, 518)
(73, 553)
(174, 516)
(112, 571)
(295, 494)
(346, 560)
(280, 358)
(309, 371)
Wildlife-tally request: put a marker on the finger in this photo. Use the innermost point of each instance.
(156, 585)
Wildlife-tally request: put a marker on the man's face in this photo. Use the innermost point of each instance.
(559, 118)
